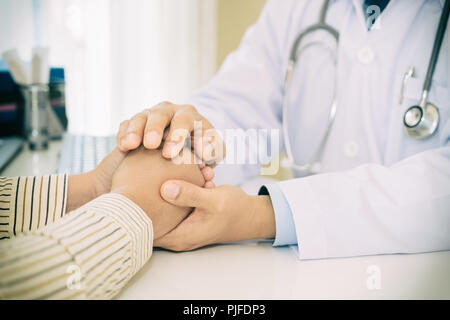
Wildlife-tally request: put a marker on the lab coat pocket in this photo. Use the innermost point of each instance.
(439, 95)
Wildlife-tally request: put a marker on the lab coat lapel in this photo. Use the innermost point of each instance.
(357, 4)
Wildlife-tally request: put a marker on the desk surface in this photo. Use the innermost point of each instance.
(256, 270)
(34, 163)
(259, 271)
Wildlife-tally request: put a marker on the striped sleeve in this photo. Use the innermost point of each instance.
(89, 254)
(29, 203)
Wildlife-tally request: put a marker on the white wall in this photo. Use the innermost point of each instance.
(16, 25)
(120, 56)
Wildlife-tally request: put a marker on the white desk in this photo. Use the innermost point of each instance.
(29, 162)
(258, 271)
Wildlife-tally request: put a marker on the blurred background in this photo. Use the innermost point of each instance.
(120, 57)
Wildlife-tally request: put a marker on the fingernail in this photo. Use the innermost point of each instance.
(152, 139)
(208, 173)
(208, 152)
(169, 149)
(171, 191)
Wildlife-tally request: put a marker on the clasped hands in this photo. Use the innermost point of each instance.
(187, 210)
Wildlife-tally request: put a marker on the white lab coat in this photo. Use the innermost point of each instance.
(381, 192)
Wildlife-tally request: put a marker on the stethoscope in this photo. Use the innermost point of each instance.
(420, 121)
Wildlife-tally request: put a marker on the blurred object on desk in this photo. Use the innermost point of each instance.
(81, 153)
(36, 120)
(39, 66)
(9, 148)
(11, 110)
(12, 115)
(40, 121)
(17, 68)
(57, 87)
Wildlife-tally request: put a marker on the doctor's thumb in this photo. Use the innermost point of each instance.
(184, 194)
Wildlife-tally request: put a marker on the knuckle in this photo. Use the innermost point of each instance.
(132, 127)
(184, 119)
(122, 128)
(181, 123)
(151, 113)
(124, 123)
(190, 107)
(163, 105)
(139, 117)
(156, 113)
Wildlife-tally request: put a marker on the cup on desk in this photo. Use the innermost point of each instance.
(37, 104)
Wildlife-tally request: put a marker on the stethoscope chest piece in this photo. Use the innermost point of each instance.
(421, 122)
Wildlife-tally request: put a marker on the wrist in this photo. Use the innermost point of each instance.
(264, 217)
(80, 190)
(102, 175)
(98, 188)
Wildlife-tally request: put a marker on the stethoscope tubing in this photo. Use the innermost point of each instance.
(424, 125)
(437, 46)
(313, 165)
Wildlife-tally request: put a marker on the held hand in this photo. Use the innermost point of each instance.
(184, 121)
(139, 178)
(221, 214)
(85, 187)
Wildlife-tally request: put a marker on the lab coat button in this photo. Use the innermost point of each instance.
(351, 149)
(366, 55)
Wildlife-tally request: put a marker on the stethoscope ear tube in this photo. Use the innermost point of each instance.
(437, 45)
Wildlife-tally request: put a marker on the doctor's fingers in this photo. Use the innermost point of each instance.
(129, 136)
(121, 134)
(185, 194)
(158, 118)
(209, 147)
(190, 234)
(208, 173)
(184, 121)
(193, 232)
(187, 123)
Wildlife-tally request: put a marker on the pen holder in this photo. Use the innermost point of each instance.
(37, 103)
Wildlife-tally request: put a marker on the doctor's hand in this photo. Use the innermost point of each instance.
(182, 121)
(221, 214)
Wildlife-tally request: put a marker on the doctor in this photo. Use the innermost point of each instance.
(382, 170)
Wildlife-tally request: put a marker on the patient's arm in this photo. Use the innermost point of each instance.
(96, 249)
(139, 178)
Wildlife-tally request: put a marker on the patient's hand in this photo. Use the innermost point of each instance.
(139, 178)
